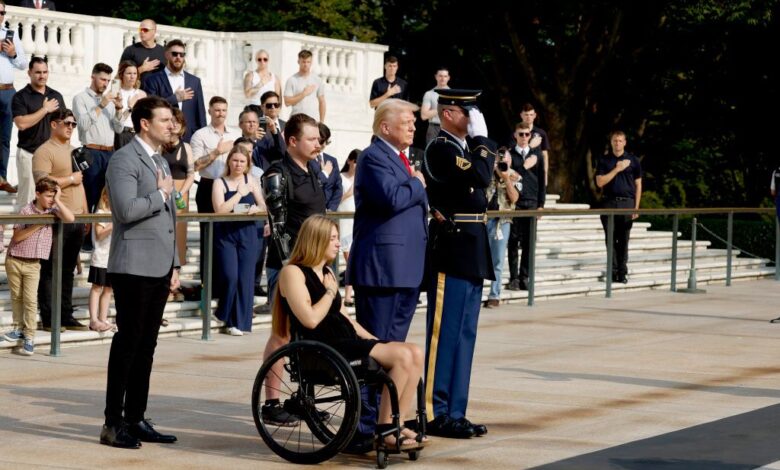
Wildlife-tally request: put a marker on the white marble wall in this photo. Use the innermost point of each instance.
(220, 59)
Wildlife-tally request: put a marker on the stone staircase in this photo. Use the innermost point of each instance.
(570, 261)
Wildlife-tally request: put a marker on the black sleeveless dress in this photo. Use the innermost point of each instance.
(335, 329)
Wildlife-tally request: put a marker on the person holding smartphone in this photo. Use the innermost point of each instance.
(502, 194)
(12, 57)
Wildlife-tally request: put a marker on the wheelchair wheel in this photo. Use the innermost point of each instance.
(318, 390)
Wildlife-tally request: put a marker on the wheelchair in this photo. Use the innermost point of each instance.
(320, 390)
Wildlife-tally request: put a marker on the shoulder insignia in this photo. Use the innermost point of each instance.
(462, 163)
(483, 151)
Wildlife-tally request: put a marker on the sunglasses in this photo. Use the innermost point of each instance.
(71, 124)
(271, 105)
(179, 54)
(524, 134)
(144, 30)
(262, 59)
(2, 13)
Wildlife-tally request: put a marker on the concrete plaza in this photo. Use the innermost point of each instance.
(644, 380)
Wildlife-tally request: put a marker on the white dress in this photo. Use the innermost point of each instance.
(348, 204)
(270, 86)
(126, 95)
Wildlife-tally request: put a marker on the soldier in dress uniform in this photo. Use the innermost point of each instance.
(457, 166)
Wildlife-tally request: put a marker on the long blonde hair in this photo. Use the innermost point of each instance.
(309, 250)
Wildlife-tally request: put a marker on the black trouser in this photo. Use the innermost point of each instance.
(72, 238)
(520, 237)
(205, 206)
(621, 234)
(140, 302)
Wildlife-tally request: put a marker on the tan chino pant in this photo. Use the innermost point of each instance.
(23, 276)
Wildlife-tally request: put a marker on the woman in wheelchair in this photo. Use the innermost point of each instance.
(310, 304)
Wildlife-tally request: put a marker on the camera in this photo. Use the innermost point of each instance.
(81, 159)
(503, 166)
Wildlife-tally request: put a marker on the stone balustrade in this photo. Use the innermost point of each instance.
(74, 43)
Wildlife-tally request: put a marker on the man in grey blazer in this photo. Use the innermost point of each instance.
(143, 268)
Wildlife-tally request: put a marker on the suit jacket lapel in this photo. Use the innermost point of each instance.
(145, 159)
(392, 156)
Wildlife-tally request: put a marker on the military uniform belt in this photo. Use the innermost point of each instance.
(470, 218)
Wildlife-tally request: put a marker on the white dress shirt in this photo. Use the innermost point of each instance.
(205, 140)
(176, 80)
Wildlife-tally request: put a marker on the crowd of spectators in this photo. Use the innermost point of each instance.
(198, 151)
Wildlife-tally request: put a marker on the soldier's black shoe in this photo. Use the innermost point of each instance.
(444, 426)
(479, 429)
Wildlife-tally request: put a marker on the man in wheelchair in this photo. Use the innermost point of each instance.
(309, 305)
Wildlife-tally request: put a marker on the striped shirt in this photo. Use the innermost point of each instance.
(37, 245)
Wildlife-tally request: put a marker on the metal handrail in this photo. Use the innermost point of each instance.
(209, 219)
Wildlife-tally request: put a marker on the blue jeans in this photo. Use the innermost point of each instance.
(497, 250)
(6, 127)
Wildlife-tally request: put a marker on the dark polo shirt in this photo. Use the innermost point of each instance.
(307, 198)
(137, 53)
(624, 183)
(27, 101)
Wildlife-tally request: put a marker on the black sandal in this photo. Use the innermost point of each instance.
(385, 431)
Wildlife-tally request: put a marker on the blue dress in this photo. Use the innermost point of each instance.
(235, 253)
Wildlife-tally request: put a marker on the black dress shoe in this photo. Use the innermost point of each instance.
(479, 429)
(144, 431)
(514, 284)
(73, 324)
(117, 436)
(444, 426)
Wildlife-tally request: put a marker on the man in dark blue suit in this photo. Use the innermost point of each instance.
(387, 258)
(328, 168)
(271, 147)
(179, 88)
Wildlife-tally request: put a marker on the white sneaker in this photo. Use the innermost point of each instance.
(233, 331)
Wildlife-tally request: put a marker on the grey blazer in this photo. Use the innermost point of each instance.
(143, 239)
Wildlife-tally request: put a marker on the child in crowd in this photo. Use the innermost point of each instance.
(29, 244)
(100, 293)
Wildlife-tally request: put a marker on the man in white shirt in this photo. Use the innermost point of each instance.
(12, 58)
(304, 90)
(210, 147)
(95, 109)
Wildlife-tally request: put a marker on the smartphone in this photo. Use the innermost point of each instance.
(264, 123)
(9, 36)
(115, 86)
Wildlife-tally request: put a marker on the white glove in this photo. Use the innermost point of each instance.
(477, 126)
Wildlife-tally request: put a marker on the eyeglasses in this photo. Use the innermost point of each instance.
(2, 13)
(178, 54)
(262, 59)
(271, 105)
(71, 124)
(524, 134)
(144, 30)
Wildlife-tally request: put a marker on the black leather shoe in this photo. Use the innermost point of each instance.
(479, 429)
(514, 284)
(117, 436)
(623, 278)
(444, 426)
(144, 431)
(73, 324)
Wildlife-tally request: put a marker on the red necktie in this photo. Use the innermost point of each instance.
(406, 162)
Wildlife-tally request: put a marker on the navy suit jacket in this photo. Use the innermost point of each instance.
(390, 230)
(269, 149)
(330, 184)
(194, 109)
(45, 4)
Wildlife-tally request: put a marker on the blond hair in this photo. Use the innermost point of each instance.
(310, 249)
(237, 149)
(388, 110)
